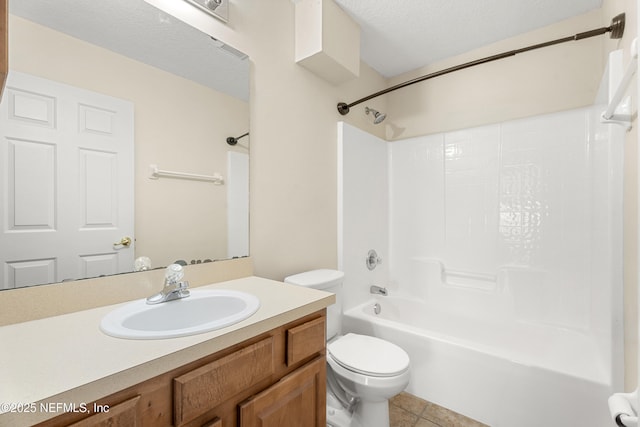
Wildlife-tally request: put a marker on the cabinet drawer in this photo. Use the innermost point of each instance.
(204, 388)
(305, 340)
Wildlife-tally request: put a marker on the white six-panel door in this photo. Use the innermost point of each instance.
(66, 182)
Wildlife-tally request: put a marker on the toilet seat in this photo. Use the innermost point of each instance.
(368, 355)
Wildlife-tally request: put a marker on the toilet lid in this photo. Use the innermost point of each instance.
(369, 355)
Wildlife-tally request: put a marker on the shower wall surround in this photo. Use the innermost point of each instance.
(511, 222)
(505, 208)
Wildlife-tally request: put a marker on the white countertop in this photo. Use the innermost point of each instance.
(67, 359)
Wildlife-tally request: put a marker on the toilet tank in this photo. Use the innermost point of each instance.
(329, 281)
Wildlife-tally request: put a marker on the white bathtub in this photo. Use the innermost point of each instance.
(487, 371)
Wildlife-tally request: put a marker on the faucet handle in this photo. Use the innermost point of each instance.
(174, 287)
(373, 259)
(173, 273)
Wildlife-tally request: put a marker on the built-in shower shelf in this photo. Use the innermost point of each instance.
(468, 279)
(458, 278)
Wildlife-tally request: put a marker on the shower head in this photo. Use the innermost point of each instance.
(378, 117)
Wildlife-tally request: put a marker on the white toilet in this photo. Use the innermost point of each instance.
(363, 372)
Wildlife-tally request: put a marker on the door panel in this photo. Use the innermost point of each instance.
(98, 192)
(66, 182)
(31, 171)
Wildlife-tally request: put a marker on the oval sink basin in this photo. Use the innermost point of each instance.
(203, 311)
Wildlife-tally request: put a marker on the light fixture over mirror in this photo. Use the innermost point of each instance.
(186, 95)
(217, 8)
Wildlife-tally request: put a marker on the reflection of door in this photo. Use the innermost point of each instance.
(66, 182)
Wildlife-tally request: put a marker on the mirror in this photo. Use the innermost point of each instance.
(177, 95)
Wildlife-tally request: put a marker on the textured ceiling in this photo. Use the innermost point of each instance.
(138, 30)
(402, 35)
(396, 36)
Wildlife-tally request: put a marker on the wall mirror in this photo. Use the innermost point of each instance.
(115, 120)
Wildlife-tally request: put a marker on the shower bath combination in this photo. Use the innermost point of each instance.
(495, 335)
(515, 318)
(504, 249)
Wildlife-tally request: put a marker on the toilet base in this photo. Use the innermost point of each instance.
(366, 414)
(337, 416)
(371, 414)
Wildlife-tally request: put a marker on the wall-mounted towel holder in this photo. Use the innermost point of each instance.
(623, 117)
(155, 173)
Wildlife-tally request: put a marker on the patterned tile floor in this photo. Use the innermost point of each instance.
(407, 410)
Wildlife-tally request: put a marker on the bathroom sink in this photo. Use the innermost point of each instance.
(203, 311)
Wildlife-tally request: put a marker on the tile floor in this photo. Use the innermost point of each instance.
(407, 410)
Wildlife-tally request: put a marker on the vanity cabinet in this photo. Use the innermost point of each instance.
(275, 379)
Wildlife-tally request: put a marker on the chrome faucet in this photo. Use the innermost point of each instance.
(378, 290)
(174, 286)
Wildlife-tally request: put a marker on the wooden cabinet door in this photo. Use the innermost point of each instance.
(298, 400)
(217, 422)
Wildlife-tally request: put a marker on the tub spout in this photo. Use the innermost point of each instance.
(378, 290)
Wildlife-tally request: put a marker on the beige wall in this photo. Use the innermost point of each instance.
(293, 121)
(293, 137)
(541, 81)
(293, 149)
(173, 129)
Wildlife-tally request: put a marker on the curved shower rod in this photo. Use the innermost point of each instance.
(616, 29)
(233, 141)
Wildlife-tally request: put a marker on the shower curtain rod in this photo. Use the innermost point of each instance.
(616, 29)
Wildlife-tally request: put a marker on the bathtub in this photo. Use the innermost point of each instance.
(487, 371)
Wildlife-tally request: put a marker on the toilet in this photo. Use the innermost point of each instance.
(363, 372)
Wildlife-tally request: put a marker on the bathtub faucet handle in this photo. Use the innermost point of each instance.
(374, 289)
(373, 260)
